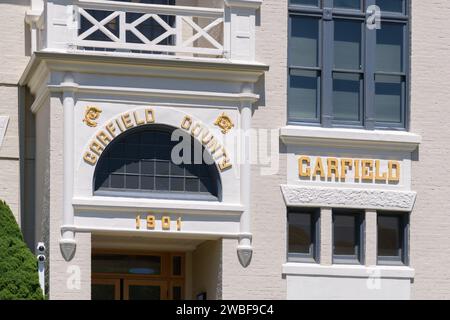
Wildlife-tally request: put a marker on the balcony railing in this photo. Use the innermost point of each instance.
(147, 28)
(138, 28)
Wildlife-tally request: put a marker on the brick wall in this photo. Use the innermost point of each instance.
(68, 280)
(13, 58)
(263, 278)
(430, 96)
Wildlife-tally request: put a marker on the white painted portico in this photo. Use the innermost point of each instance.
(65, 81)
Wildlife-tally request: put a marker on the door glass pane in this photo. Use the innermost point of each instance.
(391, 5)
(347, 4)
(138, 292)
(389, 236)
(347, 44)
(347, 96)
(300, 233)
(304, 41)
(303, 95)
(103, 292)
(389, 52)
(148, 265)
(389, 98)
(314, 3)
(176, 293)
(344, 233)
(176, 265)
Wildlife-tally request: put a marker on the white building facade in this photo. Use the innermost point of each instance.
(319, 175)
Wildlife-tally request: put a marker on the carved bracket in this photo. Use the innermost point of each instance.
(68, 248)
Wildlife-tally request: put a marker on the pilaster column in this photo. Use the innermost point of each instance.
(244, 248)
(326, 236)
(370, 239)
(67, 242)
(239, 33)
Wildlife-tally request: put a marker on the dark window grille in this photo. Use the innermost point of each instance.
(342, 73)
(139, 164)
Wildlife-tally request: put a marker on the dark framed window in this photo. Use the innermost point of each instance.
(343, 73)
(139, 163)
(303, 235)
(348, 237)
(392, 235)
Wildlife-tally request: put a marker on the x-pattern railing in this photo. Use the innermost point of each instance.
(185, 29)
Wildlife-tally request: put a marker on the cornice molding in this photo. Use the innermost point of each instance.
(163, 66)
(38, 76)
(97, 203)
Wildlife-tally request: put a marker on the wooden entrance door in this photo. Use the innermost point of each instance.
(138, 276)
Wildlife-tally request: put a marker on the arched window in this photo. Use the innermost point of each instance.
(138, 164)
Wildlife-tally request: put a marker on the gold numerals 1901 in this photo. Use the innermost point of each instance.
(151, 223)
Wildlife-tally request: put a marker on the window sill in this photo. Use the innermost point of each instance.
(131, 204)
(353, 271)
(345, 137)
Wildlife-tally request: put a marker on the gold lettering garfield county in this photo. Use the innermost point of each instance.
(342, 169)
(137, 118)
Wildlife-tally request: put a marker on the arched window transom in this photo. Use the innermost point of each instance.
(138, 164)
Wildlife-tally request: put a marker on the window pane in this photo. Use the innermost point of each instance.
(391, 5)
(344, 234)
(149, 265)
(101, 181)
(162, 183)
(389, 98)
(147, 183)
(314, 3)
(347, 96)
(148, 167)
(347, 44)
(177, 184)
(303, 43)
(117, 166)
(132, 182)
(389, 53)
(132, 166)
(176, 293)
(192, 185)
(389, 236)
(303, 95)
(176, 263)
(103, 292)
(117, 181)
(140, 292)
(300, 233)
(347, 4)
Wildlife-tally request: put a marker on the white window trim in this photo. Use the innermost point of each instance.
(344, 137)
(353, 271)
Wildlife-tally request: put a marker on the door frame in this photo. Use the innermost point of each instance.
(166, 279)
